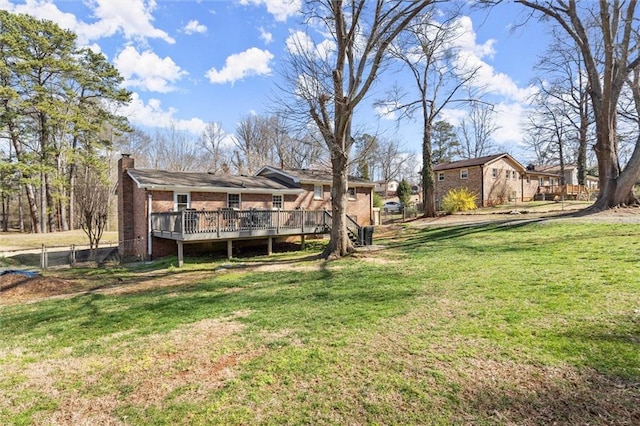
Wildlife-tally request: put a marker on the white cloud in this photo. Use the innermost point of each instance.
(132, 18)
(472, 55)
(280, 9)
(265, 36)
(147, 70)
(509, 118)
(387, 111)
(152, 115)
(195, 27)
(252, 61)
(301, 44)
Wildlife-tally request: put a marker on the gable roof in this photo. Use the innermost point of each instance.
(206, 182)
(480, 161)
(310, 176)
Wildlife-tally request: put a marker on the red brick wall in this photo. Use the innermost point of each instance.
(132, 218)
(452, 180)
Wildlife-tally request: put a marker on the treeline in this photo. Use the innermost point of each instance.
(58, 117)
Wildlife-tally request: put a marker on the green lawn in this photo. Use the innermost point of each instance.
(528, 323)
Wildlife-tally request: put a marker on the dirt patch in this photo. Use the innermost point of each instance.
(18, 288)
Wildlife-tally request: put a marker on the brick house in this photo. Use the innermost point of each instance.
(495, 179)
(160, 211)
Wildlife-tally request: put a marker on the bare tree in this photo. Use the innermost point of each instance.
(428, 49)
(93, 204)
(391, 161)
(477, 130)
(606, 33)
(332, 78)
(213, 140)
(564, 94)
(175, 150)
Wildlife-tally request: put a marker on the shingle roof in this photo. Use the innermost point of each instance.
(467, 163)
(158, 179)
(311, 176)
(474, 162)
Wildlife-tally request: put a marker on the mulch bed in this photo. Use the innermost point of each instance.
(17, 288)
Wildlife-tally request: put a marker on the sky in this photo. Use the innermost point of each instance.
(192, 62)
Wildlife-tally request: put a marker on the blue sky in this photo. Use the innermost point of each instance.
(191, 62)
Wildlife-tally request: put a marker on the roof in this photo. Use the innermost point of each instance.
(314, 176)
(206, 182)
(480, 161)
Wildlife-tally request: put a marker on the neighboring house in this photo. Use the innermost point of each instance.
(495, 179)
(387, 189)
(160, 211)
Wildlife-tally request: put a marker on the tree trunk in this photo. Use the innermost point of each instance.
(428, 181)
(340, 245)
(51, 206)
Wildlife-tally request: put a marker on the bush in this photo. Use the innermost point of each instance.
(404, 192)
(459, 200)
(377, 200)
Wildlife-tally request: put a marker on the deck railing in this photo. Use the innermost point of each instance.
(562, 189)
(223, 222)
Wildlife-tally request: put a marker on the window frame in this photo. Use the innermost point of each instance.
(440, 176)
(355, 193)
(177, 204)
(494, 173)
(464, 173)
(229, 194)
(277, 204)
(317, 187)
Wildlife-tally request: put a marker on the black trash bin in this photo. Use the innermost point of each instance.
(367, 239)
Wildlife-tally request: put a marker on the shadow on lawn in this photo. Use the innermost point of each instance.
(601, 388)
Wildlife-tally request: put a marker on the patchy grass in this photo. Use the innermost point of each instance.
(515, 323)
(17, 240)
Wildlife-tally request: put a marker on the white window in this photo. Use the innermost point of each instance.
(352, 193)
(464, 174)
(508, 174)
(440, 176)
(513, 174)
(494, 173)
(181, 201)
(541, 181)
(278, 203)
(233, 201)
(318, 193)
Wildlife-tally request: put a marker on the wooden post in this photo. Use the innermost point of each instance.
(302, 242)
(269, 246)
(73, 256)
(43, 258)
(229, 249)
(180, 254)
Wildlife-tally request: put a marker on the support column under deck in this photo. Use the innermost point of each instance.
(302, 242)
(269, 246)
(229, 249)
(180, 254)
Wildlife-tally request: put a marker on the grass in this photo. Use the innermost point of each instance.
(16, 240)
(527, 323)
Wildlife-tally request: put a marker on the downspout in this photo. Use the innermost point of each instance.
(150, 232)
(482, 185)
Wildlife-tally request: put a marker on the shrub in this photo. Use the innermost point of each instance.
(377, 200)
(404, 192)
(459, 200)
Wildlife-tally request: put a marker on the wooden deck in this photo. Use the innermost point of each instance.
(227, 224)
(575, 192)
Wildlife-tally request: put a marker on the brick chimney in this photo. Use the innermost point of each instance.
(126, 231)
